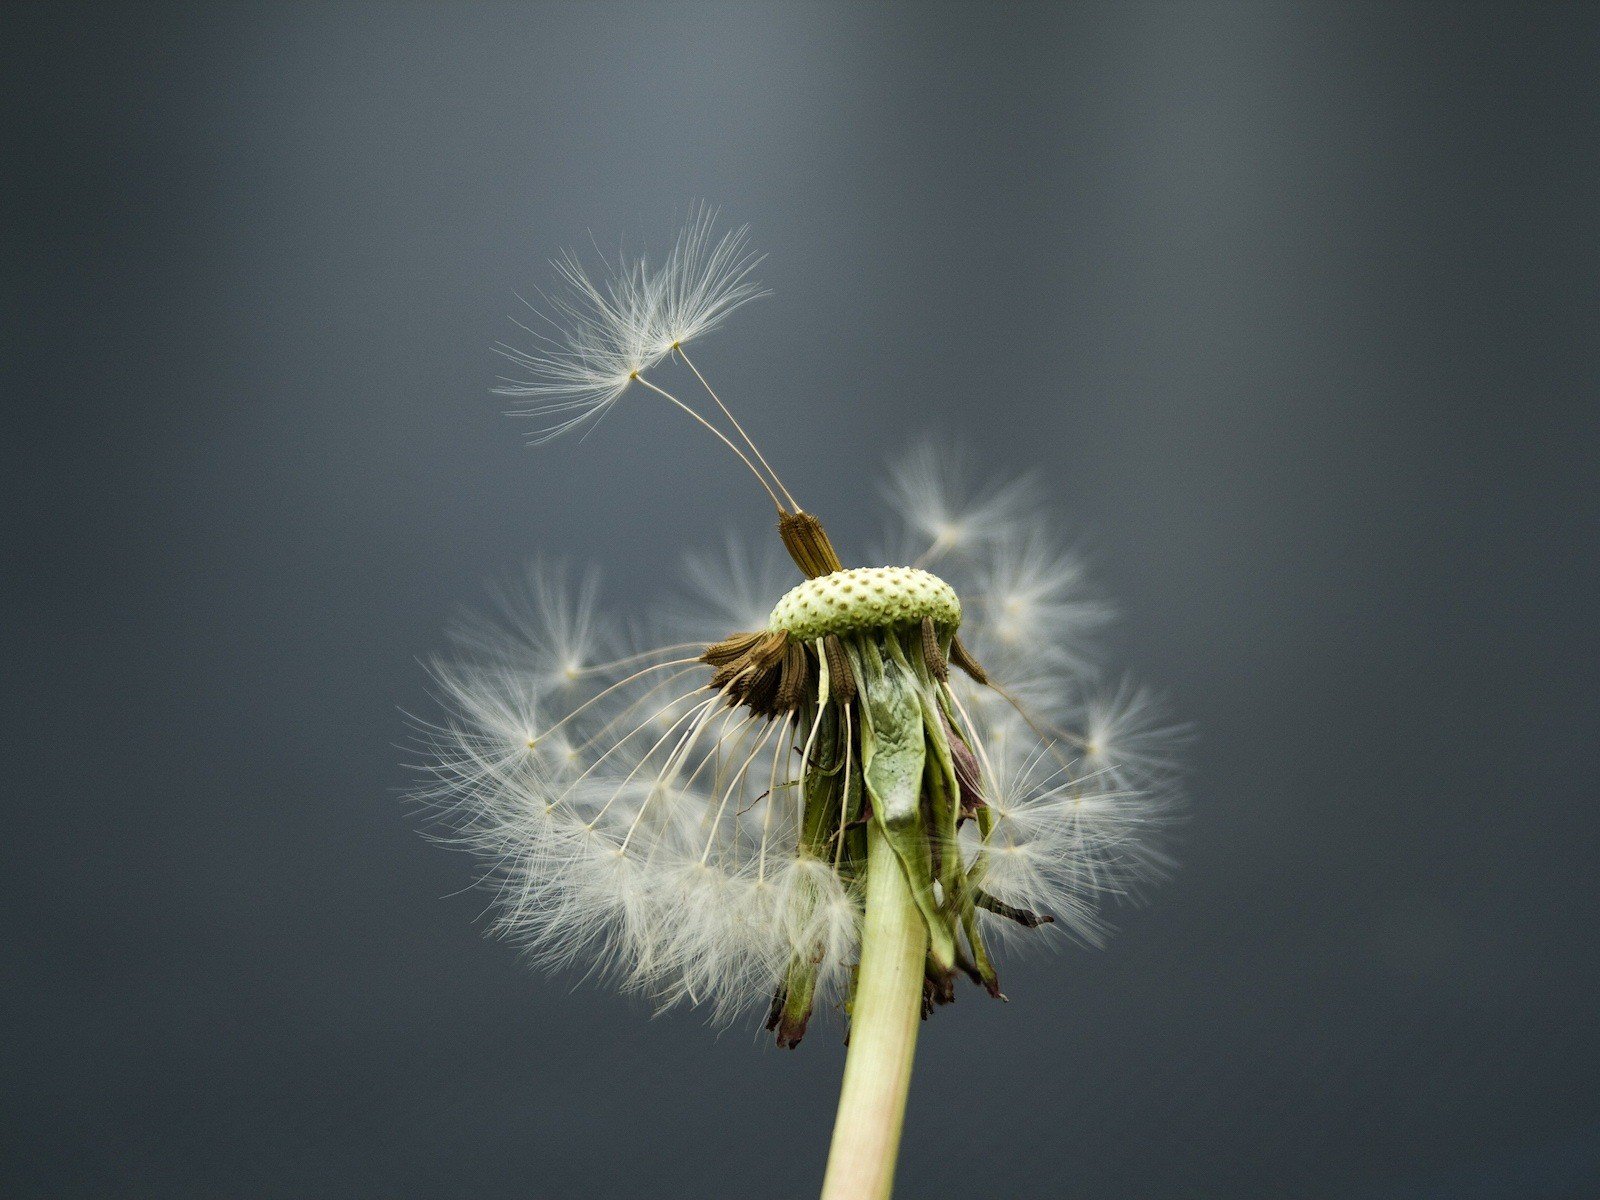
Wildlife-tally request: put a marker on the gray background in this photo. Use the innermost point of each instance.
(1295, 306)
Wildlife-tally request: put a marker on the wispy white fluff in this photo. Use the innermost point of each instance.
(632, 822)
(600, 327)
(593, 335)
(542, 625)
(1030, 599)
(731, 589)
(1130, 738)
(1066, 835)
(948, 507)
(636, 826)
(707, 276)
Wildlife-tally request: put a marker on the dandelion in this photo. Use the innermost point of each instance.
(807, 787)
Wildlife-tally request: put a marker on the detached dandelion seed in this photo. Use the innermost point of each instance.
(808, 787)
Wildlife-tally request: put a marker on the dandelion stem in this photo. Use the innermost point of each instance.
(883, 1033)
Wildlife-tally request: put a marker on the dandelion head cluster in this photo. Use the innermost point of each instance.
(682, 799)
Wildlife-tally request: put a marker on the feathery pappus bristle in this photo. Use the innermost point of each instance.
(602, 326)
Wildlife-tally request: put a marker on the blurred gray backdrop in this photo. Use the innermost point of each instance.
(1295, 307)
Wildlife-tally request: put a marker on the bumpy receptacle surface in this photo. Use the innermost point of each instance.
(865, 598)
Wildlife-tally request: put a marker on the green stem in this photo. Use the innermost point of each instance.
(883, 1033)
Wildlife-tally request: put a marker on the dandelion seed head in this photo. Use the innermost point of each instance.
(679, 802)
(646, 828)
